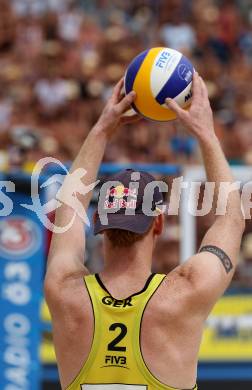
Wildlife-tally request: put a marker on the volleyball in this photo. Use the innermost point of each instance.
(157, 74)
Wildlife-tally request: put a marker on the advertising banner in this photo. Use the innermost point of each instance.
(228, 331)
(22, 260)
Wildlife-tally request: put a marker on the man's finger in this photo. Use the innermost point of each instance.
(126, 102)
(204, 89)
(117, 91)
(196, 88)
(174, 106)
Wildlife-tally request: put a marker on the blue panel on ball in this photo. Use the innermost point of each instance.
(178, 81)
(133, 68)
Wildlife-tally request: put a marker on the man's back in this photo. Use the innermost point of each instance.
(170, 337)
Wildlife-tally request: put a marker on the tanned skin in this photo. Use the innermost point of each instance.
(176, 313)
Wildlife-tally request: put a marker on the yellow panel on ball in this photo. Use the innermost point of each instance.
(145, 101)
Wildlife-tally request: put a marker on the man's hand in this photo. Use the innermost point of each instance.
(113, 113)
(198, 119)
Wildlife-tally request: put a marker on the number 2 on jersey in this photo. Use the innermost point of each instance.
(113, 345)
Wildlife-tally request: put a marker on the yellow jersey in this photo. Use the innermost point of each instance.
(115, 361)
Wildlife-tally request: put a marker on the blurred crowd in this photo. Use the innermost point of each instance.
(59, 60)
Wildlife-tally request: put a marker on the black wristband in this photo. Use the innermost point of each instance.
(227, 263)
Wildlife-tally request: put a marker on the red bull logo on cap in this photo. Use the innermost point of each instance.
(119, 193)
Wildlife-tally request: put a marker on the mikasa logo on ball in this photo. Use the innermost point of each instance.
(185, 73)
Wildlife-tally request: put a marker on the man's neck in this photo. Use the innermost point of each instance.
(130, 261)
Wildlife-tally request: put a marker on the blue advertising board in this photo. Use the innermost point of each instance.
(22, 261)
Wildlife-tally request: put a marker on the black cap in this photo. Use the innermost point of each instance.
(120, 205)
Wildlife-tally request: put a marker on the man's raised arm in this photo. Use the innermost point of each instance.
(66, 256)
(210, 271)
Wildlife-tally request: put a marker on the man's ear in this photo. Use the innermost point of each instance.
(158, 225)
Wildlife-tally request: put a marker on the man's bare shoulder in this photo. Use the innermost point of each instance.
(171, 308)
(190, 287)
(68, 296)
(176, 290)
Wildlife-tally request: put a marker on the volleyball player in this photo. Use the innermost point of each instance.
(126, 328)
